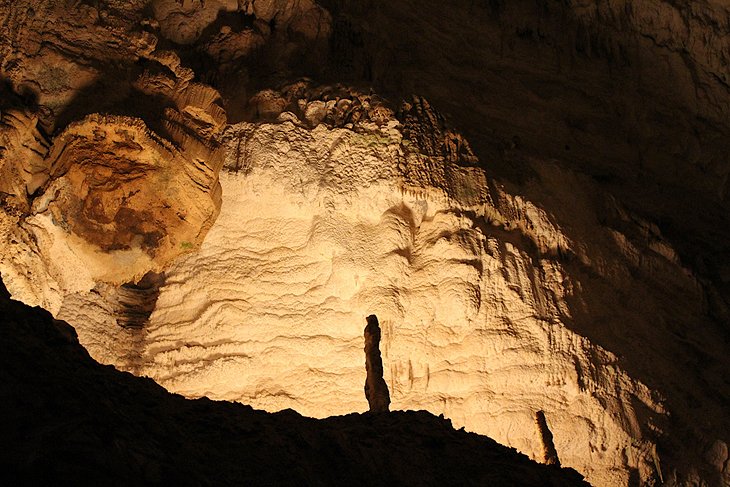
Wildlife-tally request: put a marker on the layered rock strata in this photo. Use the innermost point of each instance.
(477, 290)
(107, 427)
(582, 273)
(319, 226)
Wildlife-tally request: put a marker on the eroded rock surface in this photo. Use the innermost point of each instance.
(320, 227)
(23, 168)
(109, 427)
(109, 196)
(478, 291)
(568, 257)
(116, 185)
(120, 201)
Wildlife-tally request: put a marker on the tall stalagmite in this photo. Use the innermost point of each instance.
(548, 446)
(376, 390)
(534, 195)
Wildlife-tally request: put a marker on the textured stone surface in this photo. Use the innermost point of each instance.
(22, 159)
(570, 257)
(319, 228)
(478, 291)
(110, 197)
(327, 226)
(66, 419)
(119, 202)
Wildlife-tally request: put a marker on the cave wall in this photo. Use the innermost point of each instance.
(567, 253)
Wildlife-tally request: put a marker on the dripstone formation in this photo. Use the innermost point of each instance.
(376, 390)
(546, 437)
(533, 195)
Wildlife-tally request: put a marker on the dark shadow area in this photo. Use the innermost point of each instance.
(24, 98)
(136, 300)
(237, 22)
(114, 94)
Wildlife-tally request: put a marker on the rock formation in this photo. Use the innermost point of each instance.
(546, 437)
(532, 196)
(136, 300)
(326, 211)
(23, 168)
(107, 427)
(376, 391)
(113, 196)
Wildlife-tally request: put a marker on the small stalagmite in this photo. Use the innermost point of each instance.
(376, 391)
(551, 455)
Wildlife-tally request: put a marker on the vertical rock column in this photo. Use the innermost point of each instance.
(376, 391)
(551, 455)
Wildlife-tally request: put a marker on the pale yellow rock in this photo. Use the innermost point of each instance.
(496, 300)
(323, 229)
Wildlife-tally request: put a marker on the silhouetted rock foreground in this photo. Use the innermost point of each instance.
(68, 420)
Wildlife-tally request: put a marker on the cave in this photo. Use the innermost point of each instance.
(203, 203)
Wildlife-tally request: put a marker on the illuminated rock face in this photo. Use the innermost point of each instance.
(110, 197)
(498, 296)
(319, 231)
(478, 292)
(118, 187)
(120, 201)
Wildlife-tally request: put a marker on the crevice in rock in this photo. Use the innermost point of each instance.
(136, 300)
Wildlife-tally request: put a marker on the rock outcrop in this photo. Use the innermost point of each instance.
(120, 201)
(376, 391)
(23, 168)
(110, 196)
(320, 227)
(118, 186)
(546, 437)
